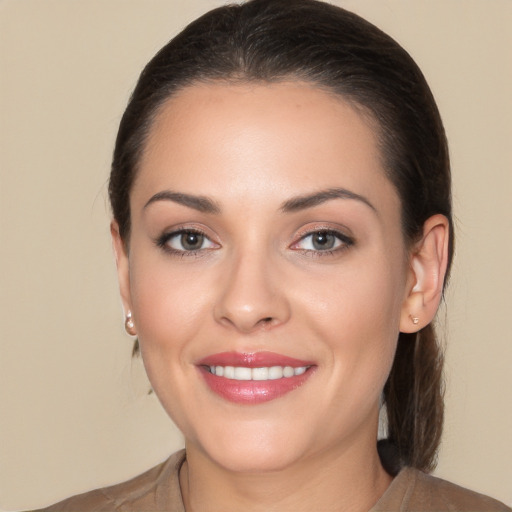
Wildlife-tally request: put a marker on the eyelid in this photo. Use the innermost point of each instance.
(162, 240)
(340, 233)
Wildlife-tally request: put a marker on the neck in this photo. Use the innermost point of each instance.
(339, 480)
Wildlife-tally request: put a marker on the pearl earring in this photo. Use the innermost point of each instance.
(129, 325)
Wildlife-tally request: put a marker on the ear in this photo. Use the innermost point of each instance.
(122, 264)
(427, 271)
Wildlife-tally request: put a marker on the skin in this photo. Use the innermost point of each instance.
(257, 283)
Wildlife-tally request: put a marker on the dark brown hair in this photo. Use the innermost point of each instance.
(308, 40)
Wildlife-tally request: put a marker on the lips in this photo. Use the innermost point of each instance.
(253, 378)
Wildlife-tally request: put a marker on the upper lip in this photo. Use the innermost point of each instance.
(252, 360)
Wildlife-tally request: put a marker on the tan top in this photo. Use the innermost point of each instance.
(159, 490)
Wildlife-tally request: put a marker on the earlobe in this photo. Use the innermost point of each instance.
(122, 264)
(427, 271)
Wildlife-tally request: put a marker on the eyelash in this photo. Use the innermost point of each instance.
(344, 242)
(163, 242)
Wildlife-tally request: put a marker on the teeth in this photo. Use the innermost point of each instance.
(275, 372)
(242, 373)
(265, 373)
(259, 373)
(288, 371)
(229, 372)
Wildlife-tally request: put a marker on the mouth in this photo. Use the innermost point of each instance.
(255, 377)
(260, 374)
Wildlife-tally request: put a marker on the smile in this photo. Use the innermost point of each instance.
(253, 378)
(260, 374)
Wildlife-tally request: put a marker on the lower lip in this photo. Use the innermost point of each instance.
(253, 391)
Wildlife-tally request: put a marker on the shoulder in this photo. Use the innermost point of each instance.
(157, 490)
(413, 490)
(440, 493)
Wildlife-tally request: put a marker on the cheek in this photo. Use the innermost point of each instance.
(169, 307)
(358, 313)
(357, 300)
(163, 295)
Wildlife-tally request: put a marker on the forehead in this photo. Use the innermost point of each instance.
(288, 137)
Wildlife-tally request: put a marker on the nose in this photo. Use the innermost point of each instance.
(252, 296)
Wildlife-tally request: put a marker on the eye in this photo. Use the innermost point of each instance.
(185, 240)
(323, 241)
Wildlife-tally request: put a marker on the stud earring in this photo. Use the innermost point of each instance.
(129, 326)
(415, 319)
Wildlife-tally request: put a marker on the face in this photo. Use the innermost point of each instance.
(266, 272)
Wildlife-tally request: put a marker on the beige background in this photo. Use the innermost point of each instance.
(74, 413)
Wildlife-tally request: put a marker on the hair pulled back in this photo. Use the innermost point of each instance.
(308, 40)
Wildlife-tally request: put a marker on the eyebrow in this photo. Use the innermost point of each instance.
(200, 203)
(206, 205)
(308, 201)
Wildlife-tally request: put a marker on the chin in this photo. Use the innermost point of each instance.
(254, 460)
(248, 449)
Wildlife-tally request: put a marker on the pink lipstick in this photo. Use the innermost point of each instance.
(253, 378)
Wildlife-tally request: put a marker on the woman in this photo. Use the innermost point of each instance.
(282, 227)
